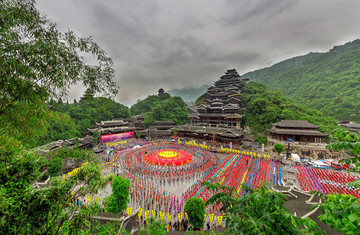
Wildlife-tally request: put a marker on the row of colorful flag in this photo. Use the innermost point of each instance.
(169, 216)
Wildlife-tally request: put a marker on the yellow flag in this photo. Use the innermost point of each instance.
(63, 177)
(72, 193)
(186, 216)
(219, 219)
(89, 198)
(204, 217)
(129, 210)
(169, 217)
(140, 213)
(97, 199)
(153, 213)
(146, 214)
(211, 217)
(180, 215)
(162, 214)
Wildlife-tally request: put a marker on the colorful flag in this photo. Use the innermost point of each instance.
(162, 214)
(169, 217)
(211, 217)
(129, 210)
(180, 215)
(219, 219)
(140, 213)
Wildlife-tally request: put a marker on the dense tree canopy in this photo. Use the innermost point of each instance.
(279, 148)
(266, 107)
(161, 108)
(195, 208)
(328, 82)
(87, 112)
(118, 200)
(260, 211)
(144, 106)
(38, 62)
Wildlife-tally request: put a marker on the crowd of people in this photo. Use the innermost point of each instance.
(154, 187)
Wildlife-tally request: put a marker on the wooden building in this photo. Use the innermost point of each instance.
(220, 104)
(218, 134)
(297, 130)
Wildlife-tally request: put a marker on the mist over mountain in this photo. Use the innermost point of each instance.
(189, 94)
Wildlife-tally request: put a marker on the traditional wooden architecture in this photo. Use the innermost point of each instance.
(161, 91)
(218, 134)
(115, 126)
(158, 129)
(85, 142)
(220, 104)
(297, 130)
(350, 126)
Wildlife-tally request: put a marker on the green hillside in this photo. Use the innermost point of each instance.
(161, 108)
(328, 82)
(265, 107)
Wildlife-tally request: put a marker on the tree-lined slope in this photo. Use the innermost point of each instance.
(265, 107)
(328, 82)
(161, 108)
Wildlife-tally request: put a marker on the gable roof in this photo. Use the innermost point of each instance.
(295, 124)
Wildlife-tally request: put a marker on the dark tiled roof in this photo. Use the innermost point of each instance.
(226, 132)
(295, 124)
(112, 123)
(158, 123)
(282, 131)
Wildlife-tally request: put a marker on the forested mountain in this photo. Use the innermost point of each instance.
(161, 108)
(265, 107)
(328, 82)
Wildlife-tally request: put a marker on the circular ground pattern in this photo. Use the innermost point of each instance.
(168, 157)
(167, 160)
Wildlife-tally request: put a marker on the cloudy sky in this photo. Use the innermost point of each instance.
(181, 44)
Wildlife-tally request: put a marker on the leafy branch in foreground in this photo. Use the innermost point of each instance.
(350, 142)
(260, 211)
(29, 210)
(39, 62)
(341, 212)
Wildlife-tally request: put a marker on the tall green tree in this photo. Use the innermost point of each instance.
(279, 148)
(195, 208)
(38, 62)
(118, 200)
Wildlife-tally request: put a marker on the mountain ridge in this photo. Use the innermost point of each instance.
(328, 81)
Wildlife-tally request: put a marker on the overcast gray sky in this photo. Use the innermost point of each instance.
(180, 44)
